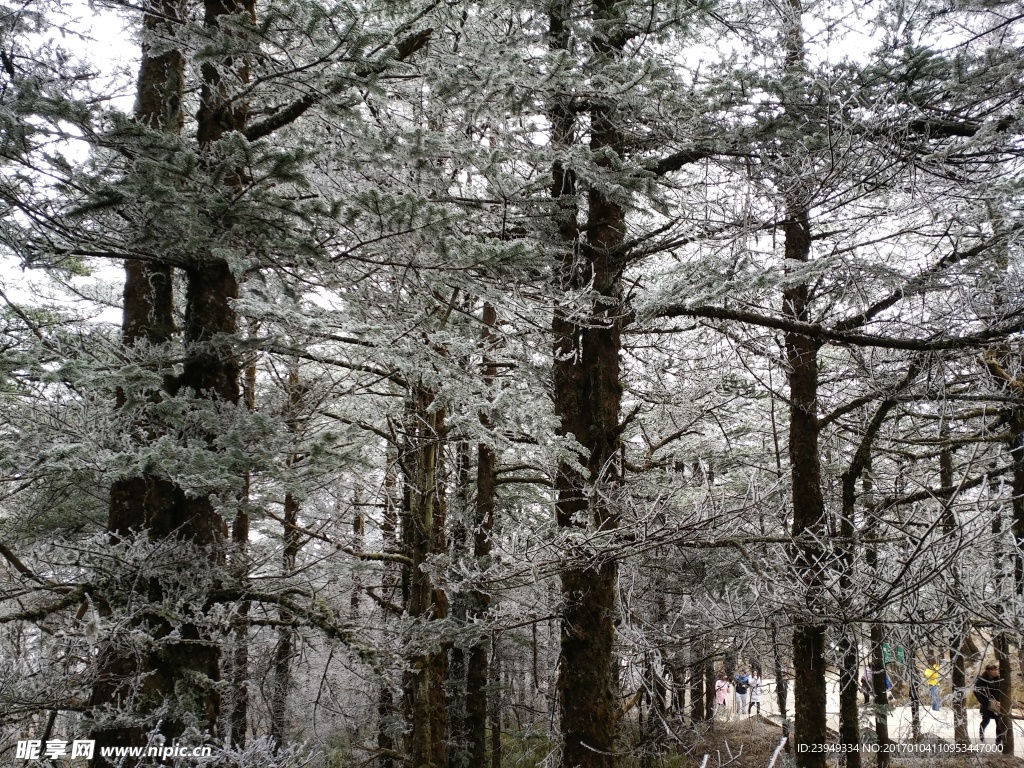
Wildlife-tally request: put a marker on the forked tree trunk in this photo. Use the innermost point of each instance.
(141, 683)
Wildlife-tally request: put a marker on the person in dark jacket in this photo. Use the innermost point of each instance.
(742, 686)
(986, 690)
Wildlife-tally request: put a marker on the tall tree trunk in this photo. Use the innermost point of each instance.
(849, 699)
(958, 639)
(709, 691)
(915, 697)
(460, 523)
(805, 461)
(386, 710)
(146, 682)
(281, 675)
(281, 667)
(780, 683)
(881, 694)
(1004, 722)
(848, 678)
(496, 748)
(588, 394)
(808, 505)
(424, 536)
(696, 672)
(239, 721)
(479, 600)
(1016, 446)
(958, 681)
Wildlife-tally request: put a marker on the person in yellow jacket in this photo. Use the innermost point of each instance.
(931, 679)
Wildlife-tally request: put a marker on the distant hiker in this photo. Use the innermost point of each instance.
(742, 686)
(755, 692)
(931, 679)
(986, 690)
(721, 693)
(867, 684)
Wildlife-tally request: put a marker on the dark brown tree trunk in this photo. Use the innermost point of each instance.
(998, 366)
(809, 726)
(1004, 723)
(1016, 446)
(281, 667)
(915, 697)
(698, 713)
(958, 681)
(386, 709)
(424, 536)
(496, 748)
(849, 700)
(148, 315)
(240, 653)
(479, 601)
(358, 538)
(460, 524)
(709, 690)
(808, 505)
(138, 683)
(958, 674)
(849, 677)
(881, 694)
(588, 394)
(781, 689)
(239, 720)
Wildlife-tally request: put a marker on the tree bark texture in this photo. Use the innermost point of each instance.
(958, 639)
(479, 600)
(281, 671)
(143, 685)
(881, 693)
(424, 536)
(588, 394)
(1004, 723)
(808, 505)
(849, 699)
(781, 689)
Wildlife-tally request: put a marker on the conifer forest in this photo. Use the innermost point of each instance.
(511, 383)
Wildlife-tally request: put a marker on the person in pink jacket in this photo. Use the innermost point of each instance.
(721, 693)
